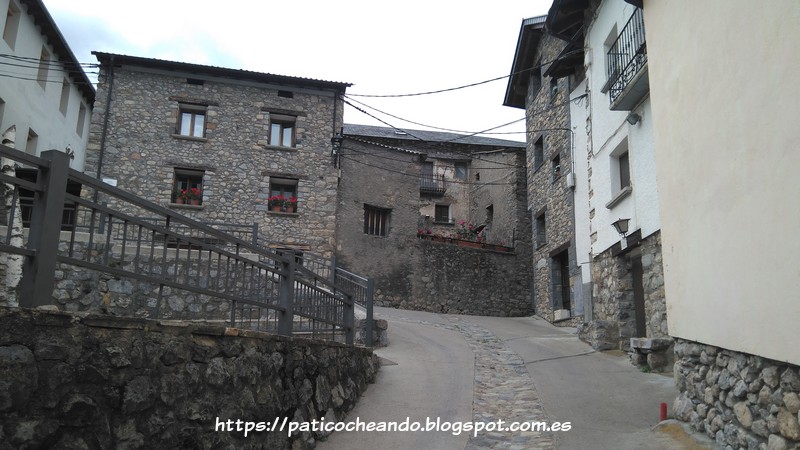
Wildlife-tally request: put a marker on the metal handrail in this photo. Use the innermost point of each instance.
(627, 55)
(122, 235)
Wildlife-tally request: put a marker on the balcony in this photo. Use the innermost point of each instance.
(626, 62)
(430, 184)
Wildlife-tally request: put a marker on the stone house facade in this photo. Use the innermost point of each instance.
(387, 194)
(238, 139)
(540, 88)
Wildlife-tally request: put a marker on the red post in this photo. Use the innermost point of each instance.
(663, 411)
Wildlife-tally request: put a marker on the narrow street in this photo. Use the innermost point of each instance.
(481, 369)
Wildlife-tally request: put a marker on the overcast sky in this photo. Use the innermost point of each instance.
(381, 48)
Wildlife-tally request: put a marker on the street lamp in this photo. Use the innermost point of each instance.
(621, 225)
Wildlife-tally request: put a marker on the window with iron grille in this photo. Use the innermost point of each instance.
(376, 220)
(541, 235)
(538, 153)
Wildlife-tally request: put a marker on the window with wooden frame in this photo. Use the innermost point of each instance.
(192, 120)
(376, 220)
(442, 214)
(461, 171)
(624, 171)
(64, 103)
(282, 130)
(283, 190)
(187, 186)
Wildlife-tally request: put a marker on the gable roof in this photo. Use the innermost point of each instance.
(529, 34)
(426, 136)
(43, 19)
(215, 71)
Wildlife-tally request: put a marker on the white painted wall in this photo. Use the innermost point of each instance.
(608, 130)
(724, 83)
(27, 105)
(578, 115)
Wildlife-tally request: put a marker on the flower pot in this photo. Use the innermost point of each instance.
(291, 208)
(276, 208)
(179, 201)
(194, 201)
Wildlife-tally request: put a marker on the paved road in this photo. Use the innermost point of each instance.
(484, 369)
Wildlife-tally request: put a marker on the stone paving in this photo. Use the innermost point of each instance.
(503, 390)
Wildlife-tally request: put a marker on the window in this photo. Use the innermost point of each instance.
(81, 120)
(624, 171)
(2, 112)
(541, 235)
(538, 153)
(44, 68)
(536, 77)
(282, 130)
(192, 121)
(556, 167)
(64, 97)
(12, 25)
(33, 141)
(285, 188)
(376, 220)
(553, 90)
(188, 186)
(442, 214)
(461, 171)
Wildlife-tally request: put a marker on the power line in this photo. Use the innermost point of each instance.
(439, 91)
(376, 155)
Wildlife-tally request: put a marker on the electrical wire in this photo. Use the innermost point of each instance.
(376, 155)
(439, 91)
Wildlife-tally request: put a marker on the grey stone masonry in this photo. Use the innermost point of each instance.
(614, 321)
(740, 400)
(102, 382)
(549, 164)
(141, 146)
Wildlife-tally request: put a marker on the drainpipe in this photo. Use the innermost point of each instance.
(104, 132)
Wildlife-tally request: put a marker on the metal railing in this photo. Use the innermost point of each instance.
(125, 237)
(432, 184)
(627, 55)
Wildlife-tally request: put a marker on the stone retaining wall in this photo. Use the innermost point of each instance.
(740, 400)
(90, 381)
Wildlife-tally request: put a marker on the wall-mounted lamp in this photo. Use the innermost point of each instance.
(336, 143)
(633, 118)
(621, 226)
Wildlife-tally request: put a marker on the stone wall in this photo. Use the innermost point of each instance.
(740, 400)
(613, 299)
(91, 381)
(142, 150)
(465, 281)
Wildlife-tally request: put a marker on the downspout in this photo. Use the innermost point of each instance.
(104, 132)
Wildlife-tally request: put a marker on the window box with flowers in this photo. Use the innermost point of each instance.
(281, 203)
(191, 196)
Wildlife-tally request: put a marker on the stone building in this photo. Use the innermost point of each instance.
(541, 88)
(50, 101)
(238, 138)
(395, 183)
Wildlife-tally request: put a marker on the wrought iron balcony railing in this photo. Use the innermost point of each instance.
(626, 63)
(432, 184)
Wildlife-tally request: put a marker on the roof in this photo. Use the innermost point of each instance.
(215, 71)
(408, 134)
(565, 18)
(529, 34)
(43, 19)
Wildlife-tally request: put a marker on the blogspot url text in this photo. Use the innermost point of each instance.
(429, 424)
